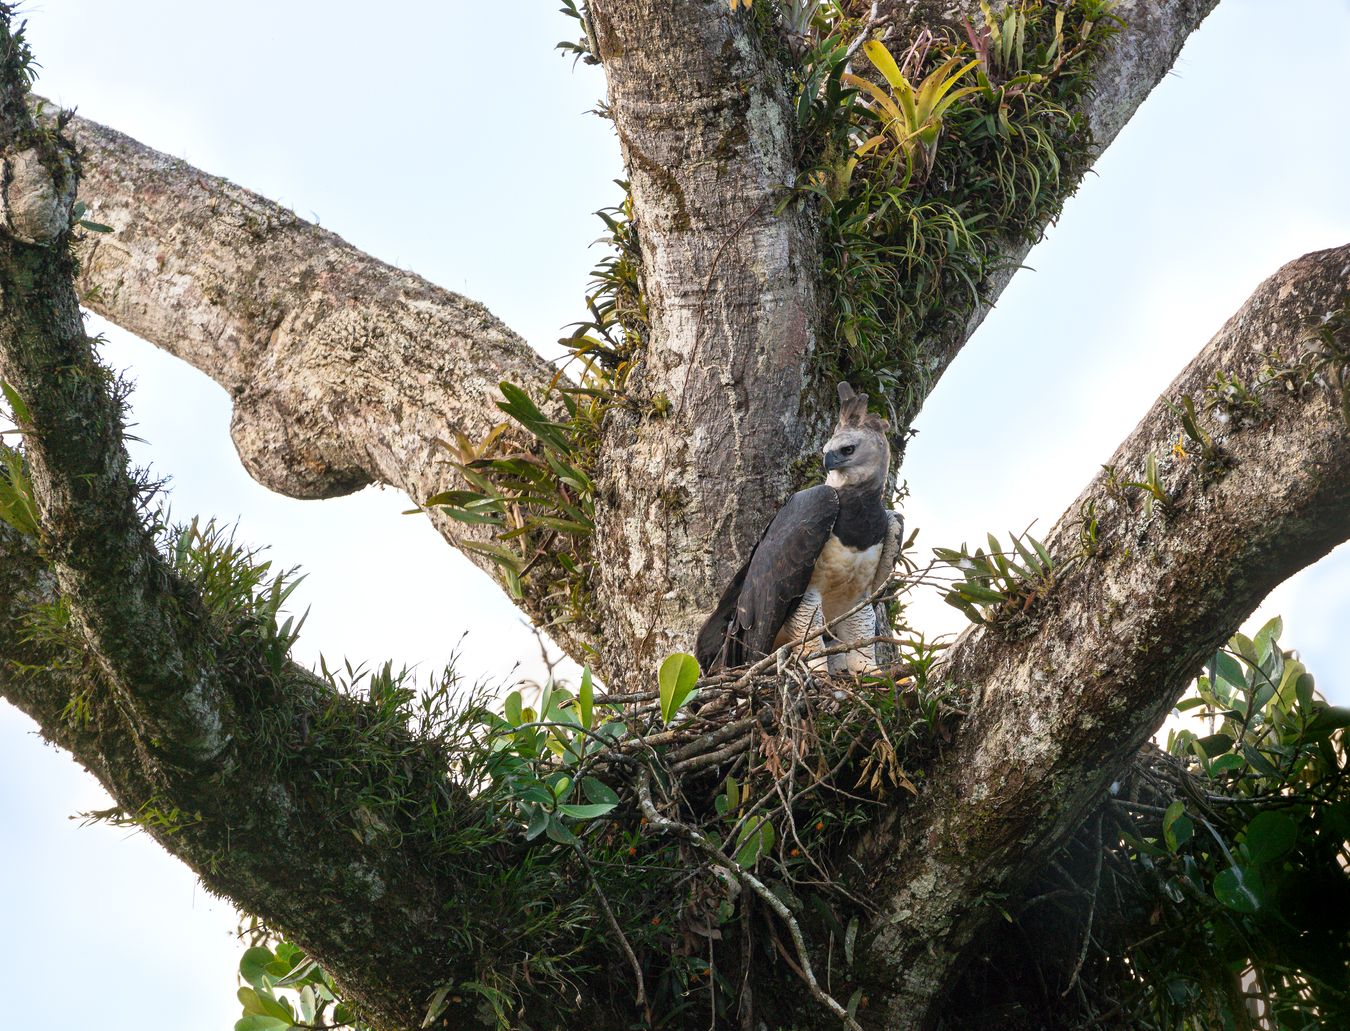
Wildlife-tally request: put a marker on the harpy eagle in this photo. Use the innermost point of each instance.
(828, 548)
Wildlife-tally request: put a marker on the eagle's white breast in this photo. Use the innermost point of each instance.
(843, 576)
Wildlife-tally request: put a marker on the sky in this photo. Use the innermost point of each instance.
(443, 138)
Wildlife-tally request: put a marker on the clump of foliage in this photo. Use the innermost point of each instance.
(1325, 361)
(283, 989)
(531, 477)
(1210, 888)
(647, 837)
(961, 146)
(683, 834)
(1000, 583)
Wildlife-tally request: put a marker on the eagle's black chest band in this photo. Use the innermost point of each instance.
(862, 518)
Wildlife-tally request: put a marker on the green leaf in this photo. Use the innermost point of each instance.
(1239, 888)
(1265, 638)
(261, 1022)
(1177, 826)
(970, 611)
(17, 407)
(1304, 688)
(853, 1001)
(1214, 745)
(17, 505)
(980, 595)
(1286, 695)
(586, 699)
(1270, 835)
(850, 940)
(503, 556)
(248, 998)
(1243, 646)
(512, 709)
(1258, 761)
(459, 499)
(558, 831)
(538, 823)
(1327, 720)
(599, 792)
(253, 965)
(279, 1009)
(522, 408)
(756, 839)
(677, 679)
(308, 1004)
(587, 812)
(436, 1006)
(1229, 669)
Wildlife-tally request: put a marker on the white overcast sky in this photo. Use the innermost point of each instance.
(447, 138)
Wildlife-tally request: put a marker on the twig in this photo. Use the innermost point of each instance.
(618, 932)
(1092, 909)
(752, 882)
(713, 738)
(874, 19)
(716, 758)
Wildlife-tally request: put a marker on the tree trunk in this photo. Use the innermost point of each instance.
(702, 111)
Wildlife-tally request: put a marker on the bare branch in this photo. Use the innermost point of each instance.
(343, 370)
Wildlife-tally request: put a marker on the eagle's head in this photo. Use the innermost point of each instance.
(858, 454)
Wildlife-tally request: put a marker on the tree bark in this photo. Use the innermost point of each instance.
(703, 114)
(344, 371)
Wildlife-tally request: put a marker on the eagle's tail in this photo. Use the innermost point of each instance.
(717, 647)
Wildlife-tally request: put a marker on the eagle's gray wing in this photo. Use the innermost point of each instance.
(765, 590)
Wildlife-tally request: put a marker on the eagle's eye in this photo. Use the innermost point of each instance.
(848, 450)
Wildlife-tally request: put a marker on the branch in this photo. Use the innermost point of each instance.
(1066, 694)
(1152, 36)
(344, 371)
(284, 830)
(321, 813)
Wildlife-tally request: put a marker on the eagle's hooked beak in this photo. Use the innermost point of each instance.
(833, 460)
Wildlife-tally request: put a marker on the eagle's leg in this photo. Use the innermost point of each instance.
(859, 628)
(884, 651)
(806, 620)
